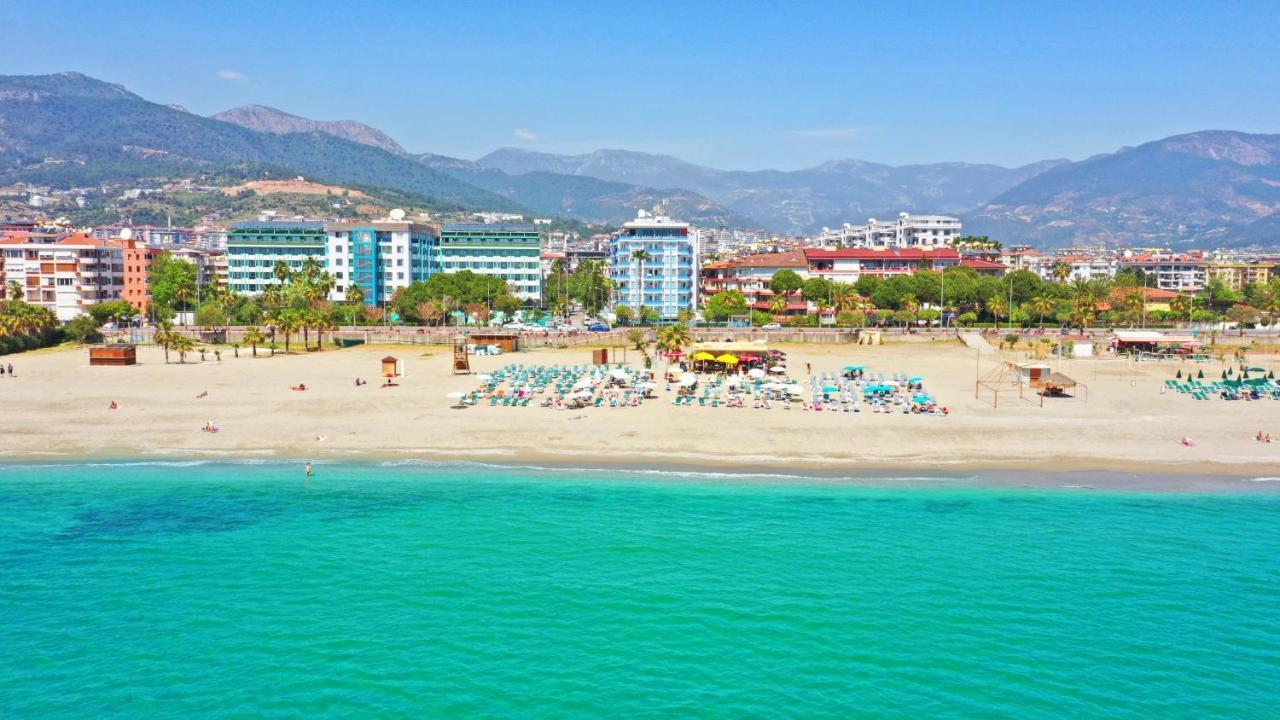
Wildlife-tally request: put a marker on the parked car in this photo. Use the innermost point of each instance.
(534, 328)
(597, 327)
(567, 328)
(513, 326)
(771, 326)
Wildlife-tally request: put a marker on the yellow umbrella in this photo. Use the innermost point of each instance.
(704, 356)
(727, 359)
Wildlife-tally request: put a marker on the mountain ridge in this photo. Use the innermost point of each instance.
(264, 118)
(829, 193)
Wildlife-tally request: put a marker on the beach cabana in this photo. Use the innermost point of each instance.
(391, 367)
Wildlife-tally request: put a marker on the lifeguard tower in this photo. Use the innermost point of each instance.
(461, 361)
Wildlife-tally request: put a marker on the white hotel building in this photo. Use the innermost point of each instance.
(908, 231)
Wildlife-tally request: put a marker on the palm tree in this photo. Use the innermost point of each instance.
(253, 337)
(183, 345)
(281, 271)
(15, 290)
(640, 256)
(164, 337)
(674, 337)
(355, 299)
(289, 323)
(1042, 304)
(1183, 304)
(1061, 271)
(778, 305)
(997, 306)
(910, 304)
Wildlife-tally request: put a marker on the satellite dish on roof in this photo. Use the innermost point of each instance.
(397, 214)
(126, 234)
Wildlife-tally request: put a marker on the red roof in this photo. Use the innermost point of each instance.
(980, 264)
(868, 254)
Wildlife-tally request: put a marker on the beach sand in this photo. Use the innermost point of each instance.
(57, 409)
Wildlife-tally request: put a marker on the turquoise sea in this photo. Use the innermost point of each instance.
(419, 590)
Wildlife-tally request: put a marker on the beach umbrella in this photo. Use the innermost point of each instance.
(704, 356)
(646, 386)
(727, 359)
(619, 374)
(795, 389)
(1199, 375)
(584, 394)
(916, 379)
(829, 389)
(455, 395)
(583, 383)
(777, 369)
(689, 381)
(756, 373)
(855, 367)
(1179, 375)
(484, 378)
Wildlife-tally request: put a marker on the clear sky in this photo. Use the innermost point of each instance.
(737, 85)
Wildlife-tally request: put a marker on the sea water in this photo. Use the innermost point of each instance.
(248, 590)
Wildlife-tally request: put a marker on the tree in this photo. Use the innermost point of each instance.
(778, 304)
(639, 257)
(997, 306)
(83, 329)
(723, 305)
(164, 337)
(1042, 304)
(15, 290)
(210, 315)
(647, 315)
(852, 319)
(183, 345)
(253, 337)
(674, 337)
(112, 311)
(1061, 271)
(1242, 315)
(290, 322)
(785, 282)
(172, 283)
(623, 314)
(429, 312)
(637, 337)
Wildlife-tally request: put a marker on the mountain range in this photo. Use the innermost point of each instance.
(1205, 188)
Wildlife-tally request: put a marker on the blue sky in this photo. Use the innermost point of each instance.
(733, 85)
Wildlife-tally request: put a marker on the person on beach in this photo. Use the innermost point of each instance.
(204, 394)
(113, 405)
(10, 369)
(308, 469)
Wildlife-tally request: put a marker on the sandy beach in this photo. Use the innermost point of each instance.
(57, 408)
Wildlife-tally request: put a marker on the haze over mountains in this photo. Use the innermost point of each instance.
(1205, 188)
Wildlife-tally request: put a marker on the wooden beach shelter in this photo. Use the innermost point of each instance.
(461, 361)
(391, 367)
(113, 355)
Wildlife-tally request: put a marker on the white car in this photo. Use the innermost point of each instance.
(513, 326)
(566, 328)
(771, 326)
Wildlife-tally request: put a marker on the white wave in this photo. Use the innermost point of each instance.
(1262, 479)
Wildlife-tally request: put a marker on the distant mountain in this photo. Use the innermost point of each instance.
(72, 130)
(1214, 187)
(586, 198)
(270, 120)
(793, 201)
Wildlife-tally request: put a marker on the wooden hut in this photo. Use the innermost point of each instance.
(113, 355)
(508, 341)
(391, 367)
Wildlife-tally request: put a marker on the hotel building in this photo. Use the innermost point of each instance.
(253, 248)
(847, 265)
(908, 231)
(509, 251)
(380, 257)
(664, 281)
(66, 275)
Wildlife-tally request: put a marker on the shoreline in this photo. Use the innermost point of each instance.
(1008, 473)
(1125, 433)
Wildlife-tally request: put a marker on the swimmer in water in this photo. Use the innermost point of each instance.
(308, 469)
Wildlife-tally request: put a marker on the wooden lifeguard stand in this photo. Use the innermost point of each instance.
(461, 361)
